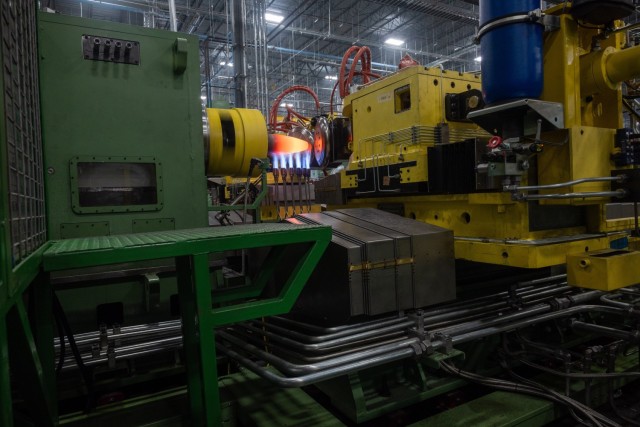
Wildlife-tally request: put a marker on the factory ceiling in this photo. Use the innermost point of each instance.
(301, 42)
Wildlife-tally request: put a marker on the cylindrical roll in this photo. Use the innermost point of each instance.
(235, 137)
(511, 53)
(603, 70)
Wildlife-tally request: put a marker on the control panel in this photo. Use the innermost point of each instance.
(98, 48)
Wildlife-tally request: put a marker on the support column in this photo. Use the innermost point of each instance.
(43, 332)
(194, 289)
(27, 366)
(238, 16)
(6, 403)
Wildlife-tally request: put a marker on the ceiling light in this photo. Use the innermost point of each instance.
(203, 97)
(478, 59)
(274, 18)
(331, 77)
(394, 42)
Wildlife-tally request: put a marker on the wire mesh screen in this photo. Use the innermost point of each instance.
(22, 124)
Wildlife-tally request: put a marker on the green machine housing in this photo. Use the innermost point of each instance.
(121, 118)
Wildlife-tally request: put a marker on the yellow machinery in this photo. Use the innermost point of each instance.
(523, 198)
(231, 139)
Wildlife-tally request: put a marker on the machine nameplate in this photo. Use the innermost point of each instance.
(385, 97)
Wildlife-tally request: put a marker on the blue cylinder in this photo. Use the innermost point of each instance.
(512, 53)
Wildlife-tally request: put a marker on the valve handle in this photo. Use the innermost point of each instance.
(494, 142)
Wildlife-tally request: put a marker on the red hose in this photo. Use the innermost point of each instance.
(346, 76)
(273, 113)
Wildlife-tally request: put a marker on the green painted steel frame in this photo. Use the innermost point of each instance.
(194, 287)
(32, 345)
(108, 109)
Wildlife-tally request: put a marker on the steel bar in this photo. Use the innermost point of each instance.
(488, 331)
(172, 15)
(618, 194)
(619, 178)
(604, 330)
(303, 380)
(287, 367)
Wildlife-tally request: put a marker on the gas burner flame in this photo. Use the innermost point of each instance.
(279, 143)
(307, 159)
(289, 152)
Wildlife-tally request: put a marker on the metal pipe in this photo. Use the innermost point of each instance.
(303, 380)
(173, 20)
(127, 352)
(470, 304)
(587, 195)
(289, 368)
(283, 172)
(619, 178)
(604, 330)
(623, 65)
(126, 334)
(337, 343)
(540, 309)
(609, 300)
(400, 323)
(310, 378)
(435, 311)
(488, 331)
(238, 12)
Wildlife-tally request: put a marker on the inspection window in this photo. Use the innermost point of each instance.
(116, 185)
(402, 99)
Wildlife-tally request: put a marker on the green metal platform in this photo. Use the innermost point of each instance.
(191, 249)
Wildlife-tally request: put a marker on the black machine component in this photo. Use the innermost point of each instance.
(553, 217)
(631, 184)
(629, 145)
(328, 191)
(602, 12)
(98, 48)
(459, 105)
(341, 137)
(383, 180)
(331, 141)
(377, 263)
(452, 170)
(444, 177)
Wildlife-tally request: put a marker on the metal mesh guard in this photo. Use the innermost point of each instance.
(22, 123)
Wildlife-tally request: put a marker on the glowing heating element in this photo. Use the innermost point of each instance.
(289, 152)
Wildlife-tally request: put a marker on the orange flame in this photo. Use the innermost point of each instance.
(283, 144)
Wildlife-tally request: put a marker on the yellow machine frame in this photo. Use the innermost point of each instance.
(491, 227)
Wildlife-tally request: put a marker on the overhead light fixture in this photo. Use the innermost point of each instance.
(273, 18)
(286, 105)
(478, 59)
(331, 77)
(228, 64)
(203, 97)
(394, 42)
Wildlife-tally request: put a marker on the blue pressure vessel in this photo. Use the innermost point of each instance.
(512, 53)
